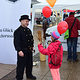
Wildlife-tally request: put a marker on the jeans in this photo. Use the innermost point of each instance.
(72, 48)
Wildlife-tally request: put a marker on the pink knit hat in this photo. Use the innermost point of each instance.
(55, 35)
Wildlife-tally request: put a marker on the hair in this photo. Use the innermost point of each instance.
(72, 13)
(58, 14)
(54, 39)
(51, 13)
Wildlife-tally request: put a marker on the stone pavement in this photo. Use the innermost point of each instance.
(5, 69)
(68, 71)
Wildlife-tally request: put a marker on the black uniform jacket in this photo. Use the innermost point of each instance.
(23, 39)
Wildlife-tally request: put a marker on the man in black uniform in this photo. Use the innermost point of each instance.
(23, 42)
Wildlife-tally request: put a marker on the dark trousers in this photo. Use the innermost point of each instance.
(72, 48)
(22, 63)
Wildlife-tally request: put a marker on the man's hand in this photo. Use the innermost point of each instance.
(21, 54)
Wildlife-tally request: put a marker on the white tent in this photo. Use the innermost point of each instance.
(59, 5)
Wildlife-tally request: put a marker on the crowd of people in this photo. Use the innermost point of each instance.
(47, 22)
(51, 20)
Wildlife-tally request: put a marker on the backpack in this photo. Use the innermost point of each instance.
(67, 34)
(56, 58)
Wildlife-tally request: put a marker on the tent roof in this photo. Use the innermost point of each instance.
(62, 1)
(69, 10)
(61, 4)
(68, 2)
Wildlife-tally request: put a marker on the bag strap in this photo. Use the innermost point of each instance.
(73, 24)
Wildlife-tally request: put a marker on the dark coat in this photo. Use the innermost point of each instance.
(23, 39)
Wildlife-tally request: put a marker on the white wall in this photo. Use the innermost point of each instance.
(10, 13)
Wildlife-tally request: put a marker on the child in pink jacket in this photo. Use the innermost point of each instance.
(52, 49)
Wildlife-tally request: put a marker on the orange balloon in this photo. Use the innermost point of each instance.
(51, 2)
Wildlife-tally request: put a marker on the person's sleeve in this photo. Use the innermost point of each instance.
(42, 50)
(78, 24)
(65, 20)
(61, 54)
(32, 40)
(17, 43)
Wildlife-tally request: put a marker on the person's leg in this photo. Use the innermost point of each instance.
(69, 45)
(55, 74)
(20, 67)
(74, 44)
(29, 65)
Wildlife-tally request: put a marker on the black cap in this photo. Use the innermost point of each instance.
(24, 17)
(71, 13)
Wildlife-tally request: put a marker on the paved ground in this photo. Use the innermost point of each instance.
(68, 71)
(6, 69)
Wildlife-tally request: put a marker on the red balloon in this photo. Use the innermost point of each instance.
(62, 27)
(46, 11)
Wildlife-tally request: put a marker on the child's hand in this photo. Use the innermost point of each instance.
(39, 42)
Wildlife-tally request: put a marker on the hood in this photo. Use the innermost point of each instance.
(57, 42)
(71, 15)
(54, 46)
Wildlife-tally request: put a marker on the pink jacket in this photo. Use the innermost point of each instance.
(52, 48)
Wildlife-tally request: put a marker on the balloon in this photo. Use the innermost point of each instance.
(46, 11)
(62, 27)
(51, 2)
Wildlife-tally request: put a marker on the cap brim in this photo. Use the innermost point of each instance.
(24, 19)
(29, 19)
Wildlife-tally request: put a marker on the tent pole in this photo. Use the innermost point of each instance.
(66, 11)
(33, 16)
